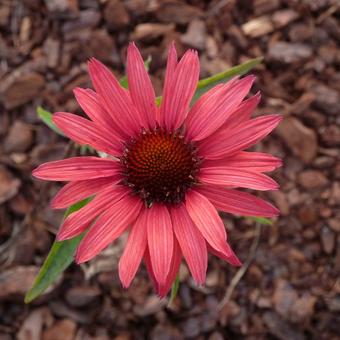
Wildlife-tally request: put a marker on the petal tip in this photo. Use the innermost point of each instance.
(93, 60)
(125, 282)
(234, 260)
(55, 204)
(132, 44)
(237, 263)
(249, 79)
(258, 96)
(77, 90)
(56, 116)
(125, 285)
(172, 46)
(124, 278)
(34, 171)
(62, 235)
(59, 237)
(131, 47)
(80, 258)
(37, 172)
(94, 64)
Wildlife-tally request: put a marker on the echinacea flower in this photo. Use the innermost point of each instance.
(169, 169)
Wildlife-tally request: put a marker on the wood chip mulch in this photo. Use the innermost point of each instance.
(291, 289)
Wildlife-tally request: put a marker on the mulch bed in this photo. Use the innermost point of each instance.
(291, 289)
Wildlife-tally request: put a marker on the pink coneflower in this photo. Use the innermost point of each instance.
(168, 171)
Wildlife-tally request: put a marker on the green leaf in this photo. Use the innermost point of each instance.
(207, 83)
(46, 117)
(85, 148)
(76, 206)
(262, 220)
(158, 100)
(174, 290)
(124, 81)
(58, 259)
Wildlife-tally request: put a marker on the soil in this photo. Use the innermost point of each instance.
(291, 288)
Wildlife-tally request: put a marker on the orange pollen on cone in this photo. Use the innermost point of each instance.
(160, 166)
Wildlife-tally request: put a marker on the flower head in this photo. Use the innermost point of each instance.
(169, 169)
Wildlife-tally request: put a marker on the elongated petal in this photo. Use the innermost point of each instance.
(76, 191)
(77, 169)
(160, 240)
(207, 220)
(170, 67)
(237, 202)
(236, 177)
(243, 112)
(163, 288)
(148, 265)
(210, 113)
(252, 161)
(205, 103)
(231, 258)
(89, 101)
(116, 99)
(178, 94)
(109, 226)
(169, 76)
(191, 242)
(134, 250)
(78, 221)
(140, 87)
(224, 143)
(84, 131)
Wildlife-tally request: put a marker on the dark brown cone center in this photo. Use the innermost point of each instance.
(160, 166)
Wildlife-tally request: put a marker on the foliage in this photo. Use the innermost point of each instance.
(58, 259)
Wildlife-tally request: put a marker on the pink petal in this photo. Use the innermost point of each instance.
(160, 240)
(134, 250)
(207, 220)
(210, 113)
(163, 289)
(207, 101)
(140, 87)
(76, 191)
(109, 226)
(118, 102)
(169, 75)
(148, 265)
(77, 169)
(243, 112)
(236, 177)
(237, 202)
(78, 221)
(225, 142)
(252, 161)
(230, 257)
(191, 242)
(178, 94)
(170, 66)
(89, 102)
(84, 131)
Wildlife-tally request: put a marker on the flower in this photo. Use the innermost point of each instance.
(169, 169)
